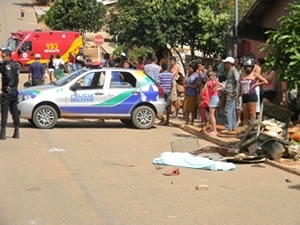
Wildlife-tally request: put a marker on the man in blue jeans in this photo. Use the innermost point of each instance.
(231, 90)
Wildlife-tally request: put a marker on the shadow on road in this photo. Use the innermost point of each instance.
(24, 4)
(80, 124)
(296, 187)
(184, 135)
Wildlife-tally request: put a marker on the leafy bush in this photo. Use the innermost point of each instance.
(283, 46)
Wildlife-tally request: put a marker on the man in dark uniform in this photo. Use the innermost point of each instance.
(9, 96)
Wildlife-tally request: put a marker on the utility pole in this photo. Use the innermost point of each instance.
(236, 36)
(236, 15)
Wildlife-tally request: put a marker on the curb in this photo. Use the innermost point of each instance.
(218, 141)
(214, 139)
(285, 168)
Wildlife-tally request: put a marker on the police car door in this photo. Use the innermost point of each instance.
(122, 95)
(87, 100)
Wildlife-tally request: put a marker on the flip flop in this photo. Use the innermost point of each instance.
(173, 172)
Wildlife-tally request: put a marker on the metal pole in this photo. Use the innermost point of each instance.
(98, 53)
(236, 14)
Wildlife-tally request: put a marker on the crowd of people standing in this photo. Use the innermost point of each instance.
(236, 85)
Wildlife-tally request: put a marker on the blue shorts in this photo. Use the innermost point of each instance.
(214, 101)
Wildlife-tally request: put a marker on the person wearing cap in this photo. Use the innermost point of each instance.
(36, 72)
(231, 92)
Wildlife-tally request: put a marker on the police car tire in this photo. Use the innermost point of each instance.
(143, 117)
(45, 117)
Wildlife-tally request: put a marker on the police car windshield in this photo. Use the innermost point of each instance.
(10, 44)
(69, 77)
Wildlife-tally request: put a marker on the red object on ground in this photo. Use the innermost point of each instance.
(173, 172)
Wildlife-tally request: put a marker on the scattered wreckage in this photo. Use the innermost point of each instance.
(271, 136)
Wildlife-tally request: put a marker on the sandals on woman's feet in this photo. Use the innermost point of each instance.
(212, 133)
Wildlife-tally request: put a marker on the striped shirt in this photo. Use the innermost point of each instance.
(166, 79)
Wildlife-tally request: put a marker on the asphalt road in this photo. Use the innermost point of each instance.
(10, 18)
(90, 173)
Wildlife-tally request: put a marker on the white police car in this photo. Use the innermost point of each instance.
(105, 93)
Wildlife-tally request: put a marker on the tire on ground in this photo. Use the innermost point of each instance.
(45, 117)
(143, 117)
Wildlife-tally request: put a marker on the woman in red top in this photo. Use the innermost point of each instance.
(204, 104)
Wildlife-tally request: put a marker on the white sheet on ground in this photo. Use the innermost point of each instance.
(185, 159)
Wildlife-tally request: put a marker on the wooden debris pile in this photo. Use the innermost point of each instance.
(269, 135)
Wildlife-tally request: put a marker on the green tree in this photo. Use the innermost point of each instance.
(159, 23)
(78, 15)
(283, 46)
(243, 6)
(214, 26)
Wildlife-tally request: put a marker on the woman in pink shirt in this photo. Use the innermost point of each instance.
(213, 86)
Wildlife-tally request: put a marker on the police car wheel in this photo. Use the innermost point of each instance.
(45, 117)
(143, 117)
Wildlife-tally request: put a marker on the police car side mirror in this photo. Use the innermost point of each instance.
(75, 87)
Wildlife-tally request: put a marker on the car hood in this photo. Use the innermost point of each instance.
(35, 91)
(38, 88)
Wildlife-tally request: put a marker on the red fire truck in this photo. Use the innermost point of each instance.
(25, 44)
